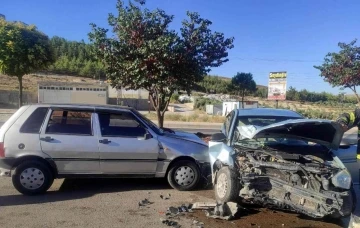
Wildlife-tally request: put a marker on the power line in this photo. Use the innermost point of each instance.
(276, 60)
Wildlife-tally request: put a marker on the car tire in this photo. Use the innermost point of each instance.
(226, 186)
(32, 177)
(184, 175)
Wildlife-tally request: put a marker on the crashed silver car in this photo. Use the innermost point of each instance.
(278, 159)
(42, 142)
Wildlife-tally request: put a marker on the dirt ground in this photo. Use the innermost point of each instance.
(30, 82)
(114, 203)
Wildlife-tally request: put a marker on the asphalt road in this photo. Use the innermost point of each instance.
(114, 203)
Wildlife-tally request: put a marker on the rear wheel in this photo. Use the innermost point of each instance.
(184, 175)
(227, 186)
(32, 177)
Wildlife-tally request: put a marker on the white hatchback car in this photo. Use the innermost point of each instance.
(42, 142)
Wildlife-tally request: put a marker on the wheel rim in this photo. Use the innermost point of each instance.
(32, 178)
(221, 185)
(184, 175)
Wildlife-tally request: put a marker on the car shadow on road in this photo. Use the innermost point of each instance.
(72, 189)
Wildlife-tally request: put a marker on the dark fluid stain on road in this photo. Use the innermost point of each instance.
(258, 217)
(263, 218)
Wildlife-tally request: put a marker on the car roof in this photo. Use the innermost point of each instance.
(267, 112)
(84, 106)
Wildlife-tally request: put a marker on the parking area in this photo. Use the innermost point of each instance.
(115, 203)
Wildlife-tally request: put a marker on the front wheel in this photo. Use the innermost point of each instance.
(32, 177)
(184, 175)
(226, 186)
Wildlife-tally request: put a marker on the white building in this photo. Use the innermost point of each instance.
(72, 93)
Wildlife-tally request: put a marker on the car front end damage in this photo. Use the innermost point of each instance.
(306, 178)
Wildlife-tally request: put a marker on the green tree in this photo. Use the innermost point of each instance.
(242, 84)
(23, 50)
(343, 68)
(147, 54)
(261, 92)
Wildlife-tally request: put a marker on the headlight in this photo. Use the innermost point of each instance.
(342, 179)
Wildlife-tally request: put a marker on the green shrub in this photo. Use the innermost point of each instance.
(174, 98)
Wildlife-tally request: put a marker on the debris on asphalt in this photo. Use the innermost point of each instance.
(225, 211)
(165, 197)
(144, 202)
(203, 206)
(173, 211)
(170, 223)
(198, 224)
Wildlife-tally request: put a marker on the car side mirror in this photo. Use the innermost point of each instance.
(218, 137)
(147, 136)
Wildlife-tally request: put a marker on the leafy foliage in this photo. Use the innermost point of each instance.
(343, 68)
(146, 54)
(75, 58)
(23, 50)
(303, 95)
(243, 84)
(201, 102)
(213, 84)
(261, 92)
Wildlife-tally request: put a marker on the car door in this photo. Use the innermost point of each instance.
(123, 147)
(69, 140)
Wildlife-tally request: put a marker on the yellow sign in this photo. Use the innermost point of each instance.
(278, 75)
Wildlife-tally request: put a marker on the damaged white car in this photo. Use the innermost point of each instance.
(278, 159)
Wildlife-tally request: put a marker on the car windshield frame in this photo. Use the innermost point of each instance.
(282, 118)
(149, 123)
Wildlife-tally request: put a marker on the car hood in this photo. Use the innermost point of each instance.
(185, 136)
(324, 132)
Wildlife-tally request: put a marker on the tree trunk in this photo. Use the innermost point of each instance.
(160, 104)
(20, 91)
(160, 116)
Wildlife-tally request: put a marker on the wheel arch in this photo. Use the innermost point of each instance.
(48, 162)
(180, 158)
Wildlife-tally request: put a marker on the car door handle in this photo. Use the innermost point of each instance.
(104, 141)
(47, 139)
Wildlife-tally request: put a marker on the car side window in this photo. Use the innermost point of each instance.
(69, 122)
(121, 124)
(33, 124)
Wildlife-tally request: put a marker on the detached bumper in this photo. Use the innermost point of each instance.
(6, 165)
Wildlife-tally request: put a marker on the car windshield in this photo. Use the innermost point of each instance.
(252, 123)
(148, 122)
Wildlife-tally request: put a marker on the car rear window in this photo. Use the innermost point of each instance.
(35, 121)
(70, 122)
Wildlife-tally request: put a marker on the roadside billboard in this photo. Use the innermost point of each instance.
(277, 86)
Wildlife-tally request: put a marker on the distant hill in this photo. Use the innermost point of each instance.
(229, 79)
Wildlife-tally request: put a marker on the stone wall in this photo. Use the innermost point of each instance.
(11, 97)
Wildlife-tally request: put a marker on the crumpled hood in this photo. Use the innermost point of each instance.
(185, 136)
(324, 132)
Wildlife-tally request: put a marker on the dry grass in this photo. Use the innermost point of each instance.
(30, 82)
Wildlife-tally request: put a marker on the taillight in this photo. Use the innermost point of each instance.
(2, 150)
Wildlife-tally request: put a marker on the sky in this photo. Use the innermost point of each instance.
(270, 35)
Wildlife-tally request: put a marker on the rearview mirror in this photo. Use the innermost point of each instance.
(218, 137)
